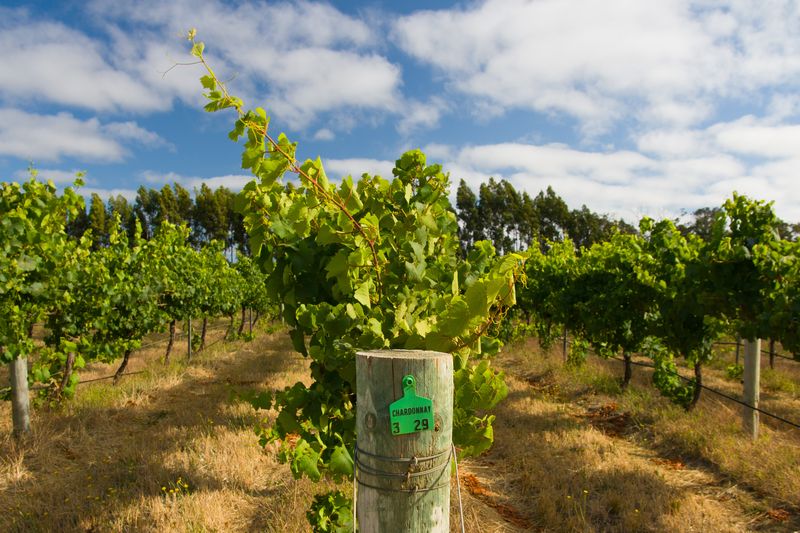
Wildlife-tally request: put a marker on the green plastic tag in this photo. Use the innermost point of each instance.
(411, 413)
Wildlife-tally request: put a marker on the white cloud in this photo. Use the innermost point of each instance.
(628, 184)
(674, 142)
(131, 131)
(324, 134)
(313, 80)
(105, 194)
(50, 137)
(656, 73)
(57, 176)
(782, 179)
(757, 156)
(783, 106)
(234, 182)
(675, 113)
(558, 161)
(746, 136)
(356, 167)
(750, 136)
(417, 115)
(301, 58)
(49, 61)
(161, 178)
(276, 24)
(662, 63)
(696, 172)
(438, 151)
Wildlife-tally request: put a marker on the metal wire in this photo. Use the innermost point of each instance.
(722, 394)
(110, 377)
(776, 354)
(458, 486)
(714, 391)
(355, 495)
(144, 346)
(413, 459)
(408, 475)
(407, 491)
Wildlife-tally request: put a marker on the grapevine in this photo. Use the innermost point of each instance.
(364, 265)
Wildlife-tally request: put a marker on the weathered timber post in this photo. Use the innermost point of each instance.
(772, 354)
(189, 336)
(404, 440)
(627, 360)
(752, 376)
(20, 401)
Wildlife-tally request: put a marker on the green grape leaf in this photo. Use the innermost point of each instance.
(341, 462)
(305, 460)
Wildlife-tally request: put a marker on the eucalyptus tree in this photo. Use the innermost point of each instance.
(98, 221)
(118, 206)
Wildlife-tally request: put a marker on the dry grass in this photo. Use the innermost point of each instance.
(109, 460)
(645, 465)
(172, 449)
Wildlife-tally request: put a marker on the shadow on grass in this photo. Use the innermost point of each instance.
(85, 468)
(562, 476)
(554, 439)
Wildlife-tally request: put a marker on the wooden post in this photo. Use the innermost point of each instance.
(171, 341)
(20, 402)
(752, 375)
(403, 480)
(189, 336)
(772, 353)
(626, 378)
(564, 347)
(738, 345)
(203, 331)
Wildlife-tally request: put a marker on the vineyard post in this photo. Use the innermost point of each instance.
(189, 336)
(20, 402)
(564, 345)
(772, 353)
(752, 375)
(404, 440)
(738, 345)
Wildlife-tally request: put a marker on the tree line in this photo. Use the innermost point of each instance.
(208, 213)
(512, 220)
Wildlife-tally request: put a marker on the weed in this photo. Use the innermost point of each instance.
(176, 488)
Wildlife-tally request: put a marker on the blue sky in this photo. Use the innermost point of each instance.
(632, 108)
